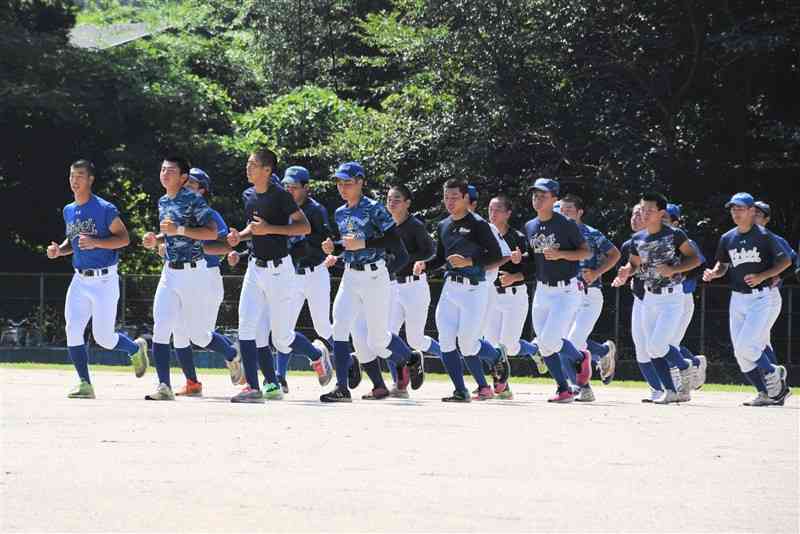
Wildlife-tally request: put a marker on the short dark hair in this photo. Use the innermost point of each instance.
(182, 163)
(84, 164)
(575, 200)
(505, 201)
(266, 157)
(403, 190)
(457, 183)
(658, 198)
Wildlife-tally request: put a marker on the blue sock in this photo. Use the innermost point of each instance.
(126, 344)
(535, 346)
(475, 367)
(675, 358)
(526, 348)
(161, 356)
(373, 370)
(553, 363)
(301, 345)
(341, 361)
(250, 361)
(186, 359)
(571, 354)
(662, 368)
(597, 350)
(267, 363)
(400, 351)
(754, 377)
(282, 364)
(686, 353)
(392, 369)
(649, 373)
(771, 355)
(488, 353)
(452, 362)
(764, 362)
(222, 345)
(80, 359)
(568, 368)
(435, 349)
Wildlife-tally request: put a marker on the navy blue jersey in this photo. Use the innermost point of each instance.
(187, 209)
(306, 250)
(636, 281)
(471, 237)
(94, 219)
(661, 248)
(691, 278)
(560, 233)
(750, 253)
(274, 206)
(600, 246)
(222, 231)
(516, 239)
(418, 243)
(366, 220)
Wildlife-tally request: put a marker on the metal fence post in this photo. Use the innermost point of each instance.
(41, 300)
(702, 318)
(122, 298)
(616, 316)
(789, 314)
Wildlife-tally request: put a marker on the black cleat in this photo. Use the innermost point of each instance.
(416, 369)
(284, 384)
(354, 373)
(458, 396)
(339, 394)
(502, 369)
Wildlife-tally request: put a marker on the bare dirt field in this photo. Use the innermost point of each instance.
(119, 463)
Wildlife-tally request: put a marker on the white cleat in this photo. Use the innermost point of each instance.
(235, 367)
(702, 371)
(668, 397)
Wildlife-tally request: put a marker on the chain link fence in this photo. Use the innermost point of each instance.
(32, 314)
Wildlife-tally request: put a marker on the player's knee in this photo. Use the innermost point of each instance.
(642, 356)
(550, 343)
(200, 337)
(469, 345)
(283, 342)
(74, 336)
(378, 341)
(107, 340)
(366, 356)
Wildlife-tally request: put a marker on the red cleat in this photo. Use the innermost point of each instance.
(562, 397)
(585, 374)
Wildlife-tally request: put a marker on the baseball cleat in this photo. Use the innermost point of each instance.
(562, 397)
(354, 373)
(235, 367)
(608, 363)
(783, 396)
(505, 393)
(688, 380)
(323, 366)
(502, 368)
(668, 397)
(484, 393)
(248, 396)
(272, 392)
(84, 390)
(378, 393)
(458, 396)
(403, 376)
(397, 393)
(776, 382)
(655, 394)
(585, 394)
(191, 389)
(284, 384)
(163, 393)
(762, 399)
(701, 372)
(541, 366)
(416, 369)
(585, 373)
(339, 394)
(139, 359)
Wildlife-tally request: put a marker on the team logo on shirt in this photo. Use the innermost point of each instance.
(354, 225)
(540, 242)
(464, 231)
(78, 227)
(744, 255)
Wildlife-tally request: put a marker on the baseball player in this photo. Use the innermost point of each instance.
(367, 233)
(506, 318)
(762, 218)
(270, 281)
(752, 257)
(604, 256)
(466, 245)
(662, 254)
(411, 295)
(94, 234)
(186, 222)
(556, 245)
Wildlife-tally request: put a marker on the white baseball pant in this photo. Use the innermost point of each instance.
(775, 312)
(686, 319)
(267, 290)
(213, 292)
(589, 309)
(459, 315)
(637, 331)
(314, 287)
(410, 304)
(179, 305)
(95, 298)
(507, 318)
(750, 320)
(553, 311)
(661, 315)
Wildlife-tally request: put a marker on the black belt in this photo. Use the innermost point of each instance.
(267, 263)
(463, 279)
(364, 267)
(306, 270)
(664, 290)
(751, 290)
(408, 279)
(509, 289)
(182, 265)
(93, 272)
(556, 283)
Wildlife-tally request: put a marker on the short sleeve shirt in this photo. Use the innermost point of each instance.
(599, 245)
(561, 233)
(274, 206)
(93, 218)
(187, 209)
(368, 219)
(749, 253)
(222, 231)
(661, 248)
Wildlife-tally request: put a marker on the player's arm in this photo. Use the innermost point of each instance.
(582, 252)
(719, 270)
(217, 248)
(426, 246)
(54, 250)
(395, 246)
(206, 232)
(438, 259)
(489, 254)
(628, 270)
(782, 262)
(118, 239)
(689, 260)
(298, 225)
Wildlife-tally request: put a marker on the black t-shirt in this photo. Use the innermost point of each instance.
(557, 232)
(470, 237)
(306, 250)
(418, 243)
(636, 282)
(275, 206)
(514, 239)
(750, 253)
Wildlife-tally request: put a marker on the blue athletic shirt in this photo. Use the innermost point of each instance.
(750, 253)
(187, 209)
(692, 277)
(222, 231)
(93, 218)
(661, 248)
(367, 220)
(561, 233)
(600, 247)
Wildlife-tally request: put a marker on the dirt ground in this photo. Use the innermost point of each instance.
(119, 463)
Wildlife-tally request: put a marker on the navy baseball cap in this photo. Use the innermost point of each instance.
(296, 175)
(472, 193)
(200, 176)
(741, 199)
(763, 207)
(349, 171)
(674, 211)
(546, 184)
